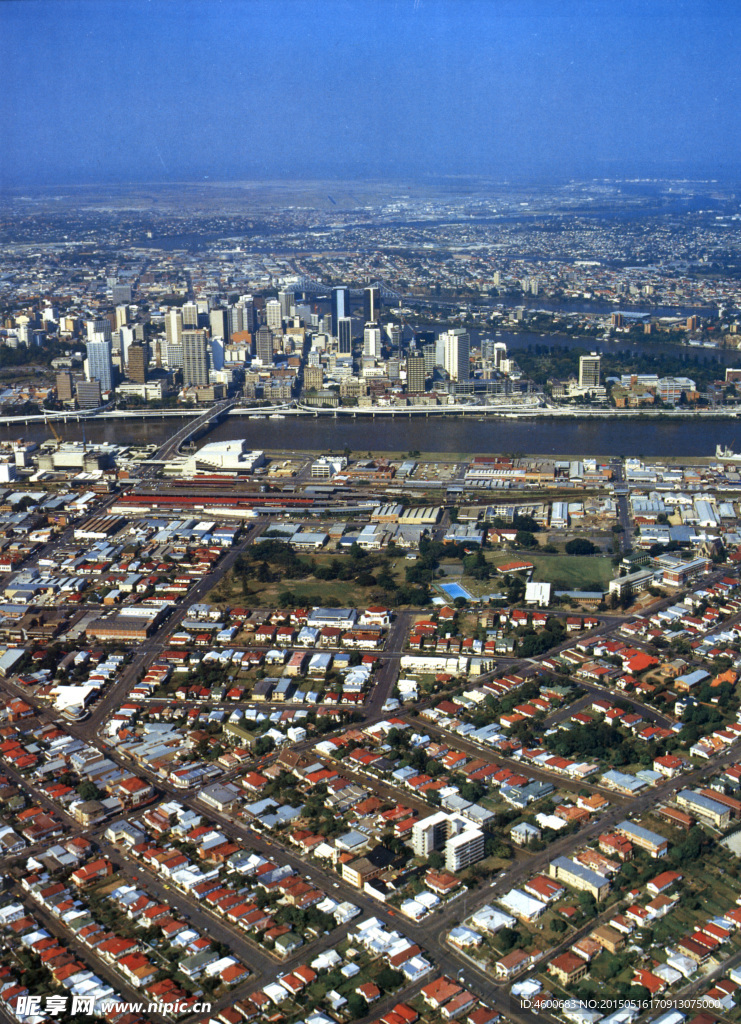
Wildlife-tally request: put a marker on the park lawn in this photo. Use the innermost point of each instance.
(567, 572)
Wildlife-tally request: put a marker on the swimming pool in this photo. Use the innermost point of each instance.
(454, 590)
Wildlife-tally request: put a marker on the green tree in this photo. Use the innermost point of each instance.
(88, 791)
(580, 546)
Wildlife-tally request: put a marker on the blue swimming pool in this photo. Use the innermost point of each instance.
(454, 590)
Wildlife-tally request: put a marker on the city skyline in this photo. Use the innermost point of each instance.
(528, 91)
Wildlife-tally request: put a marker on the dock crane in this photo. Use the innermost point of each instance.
(54, 430)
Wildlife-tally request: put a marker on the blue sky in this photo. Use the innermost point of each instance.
(150, 90)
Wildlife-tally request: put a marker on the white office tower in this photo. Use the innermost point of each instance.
(242, 316)
(122, 316)
(219, 323)
(273, 315)
(589, 368)
(96, 328)
(456, 354)
(217, 353)
(500, 354)
(190, 315)
(99, 363)
(372, 341)
(285, 298)
(394, 333)
(344, 335)
(174, 327)
(173, 355)
(127, 337)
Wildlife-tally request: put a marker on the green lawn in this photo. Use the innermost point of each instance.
(566, 572)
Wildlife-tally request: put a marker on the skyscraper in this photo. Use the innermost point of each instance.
(190, 314)
(415, 373)
(101, 325)
(344, 335)
(500, 353)
(195, 358)
(64, 386)
(456, 354)
(120, 293)
(589, 370)
(100, 363)
(264, 346)
(173, 355)
(219, 321)
(174, 326)
(126, 338)
(273, 315)
(371, 303)
(286, 299)
(249, 314)
(372, 341)
(340, 305)
(136, 364)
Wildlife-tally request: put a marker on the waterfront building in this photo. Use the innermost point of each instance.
(589, 370)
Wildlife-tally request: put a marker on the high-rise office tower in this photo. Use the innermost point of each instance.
(122, 316)
(395, 334)
(273, 315)
(286, 300)
(456, 354)
(589, 370)
(264, 346)
(219, 323)
(174, 326)
(371, 303)
(372, 341)
(217, 353)
(429, 351)
(64, 386)
(195, 358)
(344, 335)
(500, 353)
(190, 315)
(100, 363)
(174, 355)
(340, 305)
(121, 293)
(423, 338)
(415, 373)
(126, 338)
(99, 326)
(88, 394)
(249, 314)
(136, 364)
